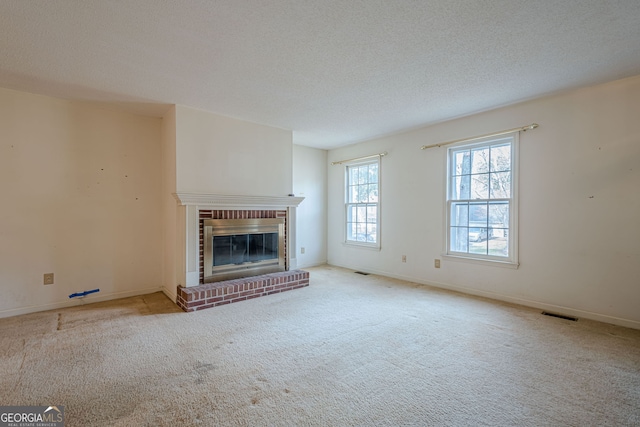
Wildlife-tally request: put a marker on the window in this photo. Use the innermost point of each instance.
(363, 203)
(481, 195)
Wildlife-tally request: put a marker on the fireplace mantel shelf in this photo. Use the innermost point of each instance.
(221, 200)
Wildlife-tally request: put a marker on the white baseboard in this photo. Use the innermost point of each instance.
(311, 264)
(172, 294)
(73, 302)
(559, 309)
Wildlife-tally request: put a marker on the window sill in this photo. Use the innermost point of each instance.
(482, 261)
(369, 246)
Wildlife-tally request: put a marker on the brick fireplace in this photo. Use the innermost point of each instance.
(193, 210)
(227, 214)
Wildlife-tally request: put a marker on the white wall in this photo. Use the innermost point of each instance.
(81, 198)
(169, 206)
(579, 205)
(310, 182)
(221, 155)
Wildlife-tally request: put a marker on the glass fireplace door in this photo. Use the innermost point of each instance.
(242, 247)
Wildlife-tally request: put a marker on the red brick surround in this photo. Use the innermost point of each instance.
(219, 293)
(237, 214)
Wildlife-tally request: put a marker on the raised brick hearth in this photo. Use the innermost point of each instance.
(219, 293)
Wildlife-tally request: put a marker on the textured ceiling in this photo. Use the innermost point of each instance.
(334, 72)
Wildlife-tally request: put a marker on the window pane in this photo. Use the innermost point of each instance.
(459, 239)
(353, 194)
(351, 214)
(459, 214)
(477, 234)
(500, 185)
(461, 187)
(478, 241)
(500, 158)
(480, 160)
(371, 233)
(363, 174)
(372, 214)
(373, 172)
(499, 245)
(373, 193)
(462, 163)
(478, 214)
(361, 232)
(363, 191)
(361, 214)
(351, 231)
(480, 186)
(499, 215)
(353, 175)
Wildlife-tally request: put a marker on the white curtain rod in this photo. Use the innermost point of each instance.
(503, 132)
(384, 153)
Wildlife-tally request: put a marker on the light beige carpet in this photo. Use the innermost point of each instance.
(348, 350)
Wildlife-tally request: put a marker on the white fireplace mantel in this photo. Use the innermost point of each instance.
(188, 225)
(240, 202)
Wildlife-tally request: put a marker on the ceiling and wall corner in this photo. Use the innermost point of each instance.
(334, 73)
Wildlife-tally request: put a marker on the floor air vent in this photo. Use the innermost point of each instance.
(361, 272)
(560, 316)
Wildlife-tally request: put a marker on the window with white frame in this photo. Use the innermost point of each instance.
(363, 203)
(481, 199)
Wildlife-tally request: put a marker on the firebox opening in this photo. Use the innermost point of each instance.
(244, 248)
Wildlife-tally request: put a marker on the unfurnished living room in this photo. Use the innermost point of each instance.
(320, 213)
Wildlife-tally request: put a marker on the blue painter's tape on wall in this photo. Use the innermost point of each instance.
(85, 293)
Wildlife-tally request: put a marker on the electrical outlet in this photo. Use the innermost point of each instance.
(404, 258)
(436, 263)
(302, 250)
(48, 279)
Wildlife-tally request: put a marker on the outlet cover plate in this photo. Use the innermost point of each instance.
(48, 279)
